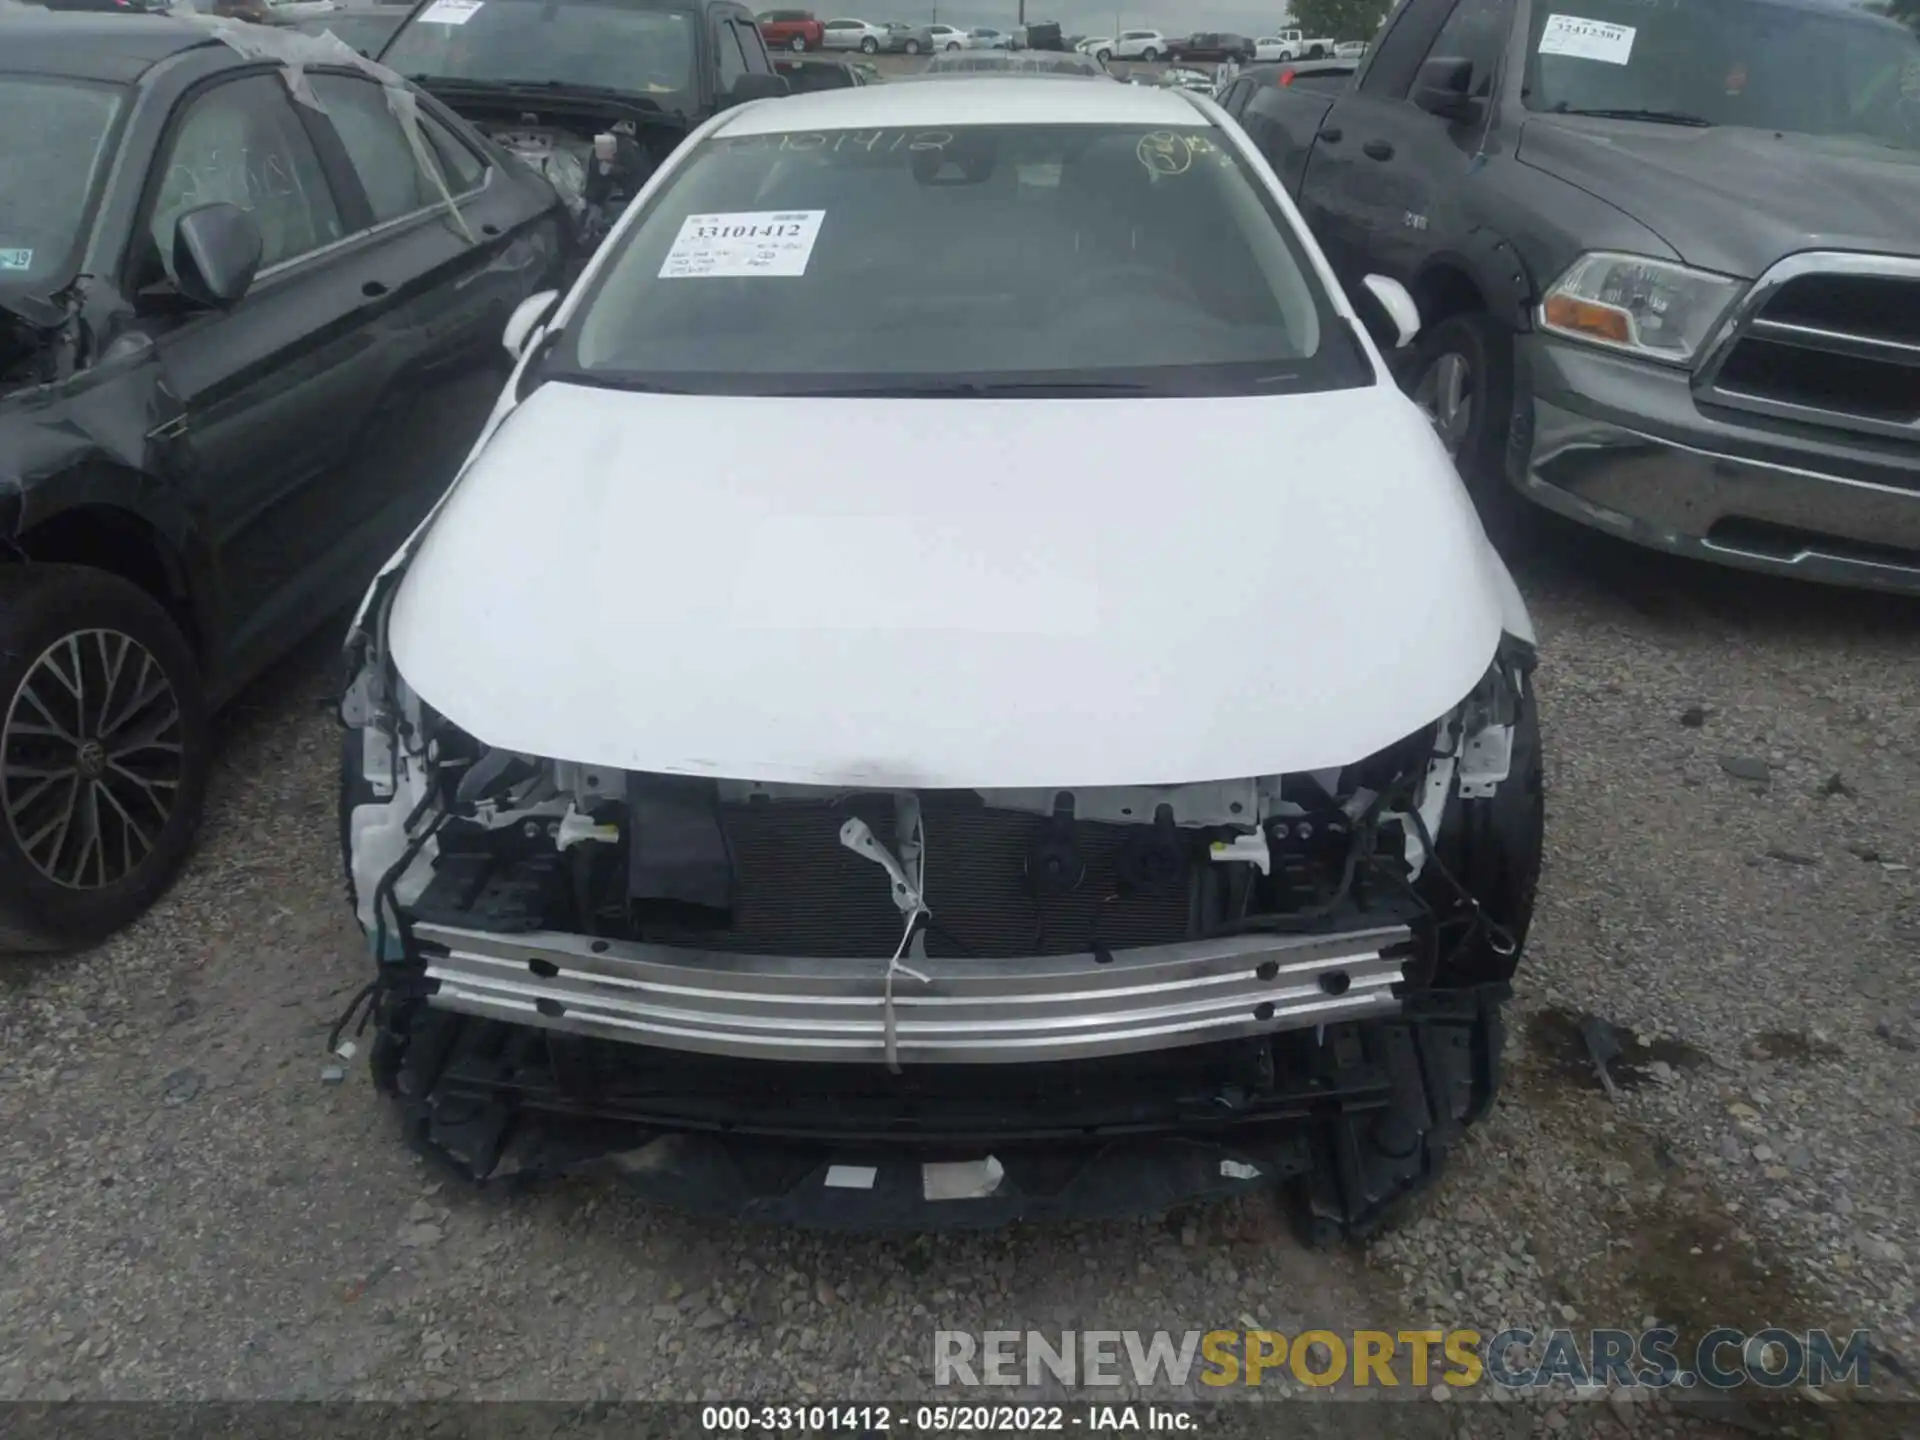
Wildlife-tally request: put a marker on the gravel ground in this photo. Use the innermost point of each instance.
(191, 1206)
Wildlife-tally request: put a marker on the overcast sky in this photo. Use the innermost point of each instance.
(1089, 17)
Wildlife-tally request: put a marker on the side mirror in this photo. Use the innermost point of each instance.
(1401, 311)
(758, 87)
(525, 321)
(1443, 88)
(215, 254)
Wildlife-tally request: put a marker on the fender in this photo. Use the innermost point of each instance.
(1486, 259)
(108, 490)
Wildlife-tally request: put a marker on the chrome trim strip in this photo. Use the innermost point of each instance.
(967, 1012)
(1840, 342)
(383, 227)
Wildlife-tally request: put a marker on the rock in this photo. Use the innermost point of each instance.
(1747, 767)
(1741, 1111)
(710, 1319)
(1694, 716)
(1836, 786)
(1569, 1314)
(1799, 1157)
(1885, 1252)
(825, 1293)
(1792, 857)
(332, 1075)
(1731, 1150)
(1898, 1039)
(183, 1085)
(664, 1314)
(1763, 1153)
(420, 1237)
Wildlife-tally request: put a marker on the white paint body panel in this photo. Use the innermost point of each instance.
(975, 593)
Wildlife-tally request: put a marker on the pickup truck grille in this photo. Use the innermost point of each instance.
(1826, 339)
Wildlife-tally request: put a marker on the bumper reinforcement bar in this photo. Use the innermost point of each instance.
(967, 1011)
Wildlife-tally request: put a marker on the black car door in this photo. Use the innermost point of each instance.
(438, 281)
(1383, 181)
(274, 390)
(1381, 164)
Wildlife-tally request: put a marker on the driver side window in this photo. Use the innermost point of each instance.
(1474, 32)
(726, 45)
(241, 143)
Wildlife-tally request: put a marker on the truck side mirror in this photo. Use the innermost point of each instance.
(1443, 87)
(753, 86)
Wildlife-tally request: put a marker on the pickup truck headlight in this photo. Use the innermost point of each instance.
(1646, 307)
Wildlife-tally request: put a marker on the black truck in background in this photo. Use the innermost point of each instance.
(1666, 255)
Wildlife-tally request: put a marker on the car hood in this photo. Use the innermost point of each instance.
(951, 593)
(1736, 200)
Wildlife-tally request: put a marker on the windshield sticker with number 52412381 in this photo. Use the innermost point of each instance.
(743, 242)
(450, 12)
(1587, 39)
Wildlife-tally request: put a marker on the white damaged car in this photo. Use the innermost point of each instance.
(999, 813)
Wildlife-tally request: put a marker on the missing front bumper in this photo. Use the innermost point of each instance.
(966, 1012)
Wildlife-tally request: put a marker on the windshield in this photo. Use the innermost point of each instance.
(1804, 68)
(1036, 255)
(58, 136)
(608, 44)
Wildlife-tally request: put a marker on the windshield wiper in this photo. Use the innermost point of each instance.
(566, 87)
(1655, 117)
(975, 388)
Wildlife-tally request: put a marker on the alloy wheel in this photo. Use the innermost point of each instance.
(1445, 395)
(91, 758)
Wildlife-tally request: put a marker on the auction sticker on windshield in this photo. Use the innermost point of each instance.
(450, 12)
(1583, 39)
(743, 242)
(16, 259)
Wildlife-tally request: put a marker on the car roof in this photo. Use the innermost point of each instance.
(965, 100)
(92, 45)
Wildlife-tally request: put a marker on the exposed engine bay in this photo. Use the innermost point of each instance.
(595, 171)
(574, 961)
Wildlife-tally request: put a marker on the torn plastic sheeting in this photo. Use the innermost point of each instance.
(294, 50)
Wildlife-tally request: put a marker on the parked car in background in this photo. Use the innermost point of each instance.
(985, 37)
(794, 30)
(947, 37)
(1098, 46)
(1670, 264)
(906, 39)
(1147, 45)
(557, 81)
(222, 402)
(365, 27)
(861, 35)
(134, 7)
(1295, 45)
(1001, 62)
(1211, 47)
(1350, 50)
(1182, 78)
(804, 76)
(623, 913)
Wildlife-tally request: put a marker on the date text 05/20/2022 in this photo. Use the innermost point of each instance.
(946, 1419)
